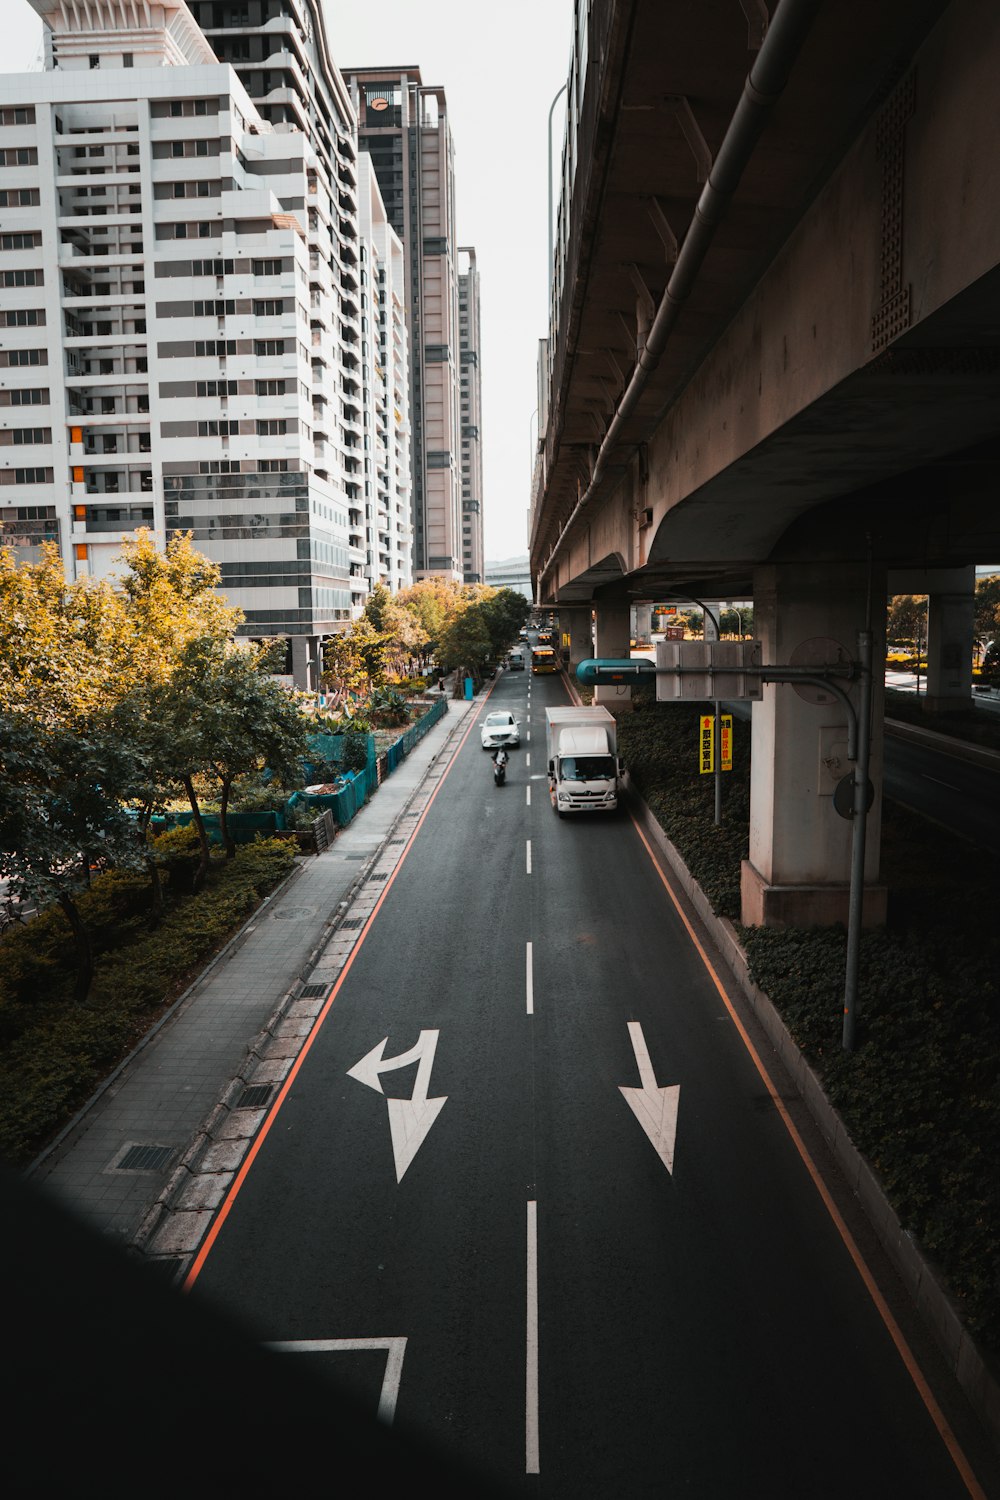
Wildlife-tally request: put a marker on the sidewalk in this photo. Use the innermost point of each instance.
(122, 1153)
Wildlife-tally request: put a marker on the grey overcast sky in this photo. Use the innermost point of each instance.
(500, 66)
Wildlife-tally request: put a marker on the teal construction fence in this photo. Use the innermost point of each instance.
(353, 790)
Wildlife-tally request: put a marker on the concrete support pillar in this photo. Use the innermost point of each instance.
(611, 639)
(798, 873)
(950, 630)
(304, 649)
(576, 634)
(643, 621)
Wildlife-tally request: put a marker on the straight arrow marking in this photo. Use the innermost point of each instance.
(655, 1108)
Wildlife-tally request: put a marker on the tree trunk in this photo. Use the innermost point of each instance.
(152, 868)
(84, 951)
(229, 843)
(199, 826)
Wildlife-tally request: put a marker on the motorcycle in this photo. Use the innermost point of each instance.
(499, 767)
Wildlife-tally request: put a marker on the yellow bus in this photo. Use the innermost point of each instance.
(544, 659)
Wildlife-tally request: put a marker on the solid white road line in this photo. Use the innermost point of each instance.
(531, 1362)
(529, 980)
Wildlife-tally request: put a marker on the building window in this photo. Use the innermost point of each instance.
(126, 59)
(95, 61)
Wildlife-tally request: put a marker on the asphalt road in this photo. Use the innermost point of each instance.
(962, 797)
(552, 1300)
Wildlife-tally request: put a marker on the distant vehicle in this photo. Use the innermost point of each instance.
(500, 728)
(516, 662)
(544, 659)
(522, 634)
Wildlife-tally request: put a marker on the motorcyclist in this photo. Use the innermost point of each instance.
(499, 764)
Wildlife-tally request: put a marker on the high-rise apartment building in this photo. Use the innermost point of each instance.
(181, 334)
(403, 126)
(385, 424)
(473, 552)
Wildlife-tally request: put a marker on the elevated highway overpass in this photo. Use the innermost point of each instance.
(773, 368)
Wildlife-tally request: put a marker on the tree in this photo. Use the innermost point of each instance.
(252, 722)
(65, 649)
(987, 617)
(433, 602)
(504, 611)
(906, 620)
(356, 660)
(62, 795)
(171, 599)
(405, 636)
(220, 715)
(465, 642)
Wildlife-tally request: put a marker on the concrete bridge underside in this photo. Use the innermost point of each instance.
(825, 410)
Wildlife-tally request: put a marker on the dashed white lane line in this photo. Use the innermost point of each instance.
(528, 856)
(529, 980)
(531, 1360)
(527, 796)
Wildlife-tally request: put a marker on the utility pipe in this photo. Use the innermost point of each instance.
(764, 86)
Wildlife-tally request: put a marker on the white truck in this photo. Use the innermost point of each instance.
(584, 769)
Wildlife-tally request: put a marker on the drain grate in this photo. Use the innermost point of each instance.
(397, 841)
(166, 1267)
(312, 991)
(145, 1159)
(254, 1096)
(353, 922)
(379, 875)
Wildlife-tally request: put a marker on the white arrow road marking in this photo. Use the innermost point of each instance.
(410, 1119)
(655, 1108)
(394, 1348)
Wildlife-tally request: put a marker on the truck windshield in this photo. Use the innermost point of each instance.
(587, 768)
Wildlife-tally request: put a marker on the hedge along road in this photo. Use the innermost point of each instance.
(531, 1196)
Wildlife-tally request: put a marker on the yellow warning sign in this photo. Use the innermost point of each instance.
(706, 744)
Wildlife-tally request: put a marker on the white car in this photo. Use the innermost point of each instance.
(501, 728)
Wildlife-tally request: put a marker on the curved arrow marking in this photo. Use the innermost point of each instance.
(410, 1119)
(655, 1108)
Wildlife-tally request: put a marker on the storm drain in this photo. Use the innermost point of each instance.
(379, 876)
(255, 1096)
(145, 1159)
(166, 1267)
(312, 991)
(397, 841)
(353, 922)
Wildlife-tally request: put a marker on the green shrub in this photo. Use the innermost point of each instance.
(355, 751)
(54, 1053)
(178, 851)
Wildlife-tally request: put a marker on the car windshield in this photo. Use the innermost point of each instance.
(587, 767)
(494, 719)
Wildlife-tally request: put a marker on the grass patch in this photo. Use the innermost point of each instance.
(920, 1096)
(53, 1054)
